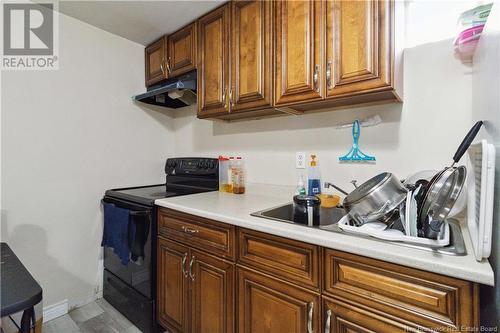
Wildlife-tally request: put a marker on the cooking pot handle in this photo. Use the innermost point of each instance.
(467, 141)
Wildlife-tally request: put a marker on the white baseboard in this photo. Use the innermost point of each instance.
(55, 310)
(84, 301)
(61, 308)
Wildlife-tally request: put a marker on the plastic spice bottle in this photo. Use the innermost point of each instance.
(238, 176)
(224, 175)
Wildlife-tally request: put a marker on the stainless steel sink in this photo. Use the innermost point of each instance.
(284, 213)
(329, 217)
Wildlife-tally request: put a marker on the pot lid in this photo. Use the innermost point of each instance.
(443, 192)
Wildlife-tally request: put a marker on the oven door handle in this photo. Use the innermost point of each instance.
(132, 211)
(139, 212)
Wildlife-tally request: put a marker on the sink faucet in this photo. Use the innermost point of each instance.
(327, 185)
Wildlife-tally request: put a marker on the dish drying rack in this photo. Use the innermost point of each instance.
(480, 201)
(408, 219)
(379, 230)
(480, 197)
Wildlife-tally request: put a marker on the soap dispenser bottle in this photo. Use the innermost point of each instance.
(314, 178)
(301, 188)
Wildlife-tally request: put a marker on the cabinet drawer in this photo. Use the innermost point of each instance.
(204, 234)
(417, 297)
(342, 317)
(291, 260)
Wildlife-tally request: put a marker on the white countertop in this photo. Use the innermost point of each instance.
(236, 209)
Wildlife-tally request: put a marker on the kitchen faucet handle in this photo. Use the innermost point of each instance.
(328, 184)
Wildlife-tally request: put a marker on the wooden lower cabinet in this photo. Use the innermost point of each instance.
(212, 294)
(271, 305)
(173, 285)
(415, 297)
(195, 290)
(227, 279)
(342, 317)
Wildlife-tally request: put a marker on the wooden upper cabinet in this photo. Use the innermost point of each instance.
(212, 296)
(298, 51)
(272, 306)
(155, 68)
(173, 285)
(251, 55)
(213, 62)
(359, 46)
(182, 51)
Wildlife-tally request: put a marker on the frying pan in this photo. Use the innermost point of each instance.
(444, 188)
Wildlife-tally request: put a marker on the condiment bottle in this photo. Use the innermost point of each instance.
(224, 178)
(238, 176)
(230, 167)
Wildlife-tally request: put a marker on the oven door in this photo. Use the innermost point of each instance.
(139, 274)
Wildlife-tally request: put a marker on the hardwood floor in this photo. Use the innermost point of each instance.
(96, 317)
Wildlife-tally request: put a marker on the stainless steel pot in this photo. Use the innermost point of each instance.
(375, 198)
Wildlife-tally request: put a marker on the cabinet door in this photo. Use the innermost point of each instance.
(251, 55)
(173, 285)
(342, 317)
(212, 299)
(269, 305)
(298, 59)
(154, 56)
(213, 62)
(359, 46)
(182, 51)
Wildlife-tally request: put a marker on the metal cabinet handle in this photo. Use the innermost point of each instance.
(183, 265)
(315, 78)
(224, 98)
(310, 310)
(162, 67)
(169, 69)
(329, 75)
(189, 230)
(231, 97)
(328, 319)
(191, 275)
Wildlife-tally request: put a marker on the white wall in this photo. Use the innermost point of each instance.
(422, 133)
(486, 105)
(67, 136)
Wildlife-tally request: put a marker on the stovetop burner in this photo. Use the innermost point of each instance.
(183, 176)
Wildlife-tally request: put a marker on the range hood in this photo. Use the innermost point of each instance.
(174, 93)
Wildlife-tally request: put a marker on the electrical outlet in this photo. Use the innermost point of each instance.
(300, 160)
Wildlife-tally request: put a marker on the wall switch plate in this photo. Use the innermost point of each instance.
(300, 160)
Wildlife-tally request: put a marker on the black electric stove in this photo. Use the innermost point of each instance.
(131, 288)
